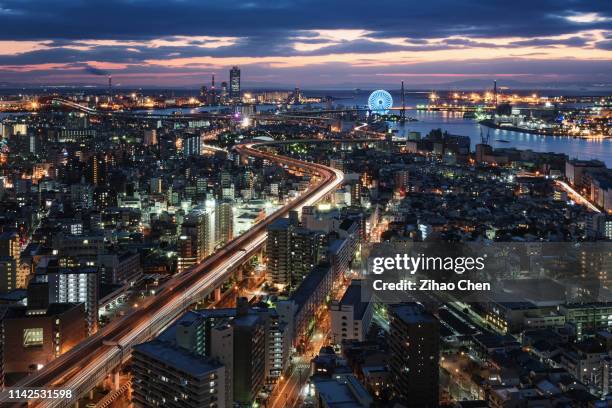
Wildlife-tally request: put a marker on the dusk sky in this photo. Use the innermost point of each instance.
(304, 43)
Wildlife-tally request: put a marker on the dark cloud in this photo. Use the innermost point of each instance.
(547, 42)
(44, 19)
(269, 28)
(335, 74)
(604, 45)
(94, 71)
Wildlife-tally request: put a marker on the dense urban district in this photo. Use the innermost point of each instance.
(153, 256)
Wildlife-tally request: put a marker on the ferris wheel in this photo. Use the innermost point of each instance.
(380, 101)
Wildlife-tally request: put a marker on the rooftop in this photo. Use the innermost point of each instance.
(352, 297)
(345, 392)
(412, 313)
(178, 358)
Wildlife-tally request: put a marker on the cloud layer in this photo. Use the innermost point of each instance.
(306, 43)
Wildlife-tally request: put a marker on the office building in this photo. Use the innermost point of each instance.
(81, 195)
(234, 91)
(224, 92)
(587, 316)
(414, 341)
(34, 338)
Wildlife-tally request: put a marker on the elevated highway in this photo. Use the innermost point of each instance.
(90, 362)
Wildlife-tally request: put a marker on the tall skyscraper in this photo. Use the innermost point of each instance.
(414, 341)
(235, 83)
(224, 91)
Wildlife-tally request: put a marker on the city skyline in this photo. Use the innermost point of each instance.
(305, 44)
(313, 204)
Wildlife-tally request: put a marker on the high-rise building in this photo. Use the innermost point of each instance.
(119, 268)
(198, 236)
(414, 341)
(150, 137)
(10, 246)
(252, 344)
(10, 260)
(165, 375)
(401, 179)
(76, 285)
(224, 221)
(187, 250)
(85, 248)
(223, 95)
(299, 310)
(8, 274)
(192, 145)
(355, 193)
(96, 170)
(155, 185)
(81, 195)
(278, 248)
(235, 83)
(249, 357)
(292, 251)
(305, 247)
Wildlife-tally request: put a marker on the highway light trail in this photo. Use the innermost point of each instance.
(81, 368)
(576, 196)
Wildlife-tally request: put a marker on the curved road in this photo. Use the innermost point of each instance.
(89, 362)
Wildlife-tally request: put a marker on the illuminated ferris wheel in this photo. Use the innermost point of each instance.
(380, 101)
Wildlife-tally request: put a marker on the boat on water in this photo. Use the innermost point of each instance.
(502, 140)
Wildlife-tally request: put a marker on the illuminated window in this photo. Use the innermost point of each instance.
(33, 337)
